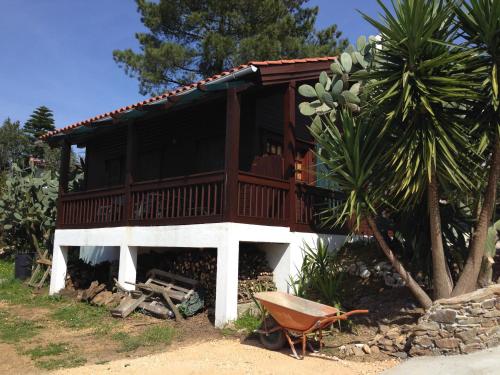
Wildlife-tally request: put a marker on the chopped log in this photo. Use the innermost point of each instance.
(93, 290)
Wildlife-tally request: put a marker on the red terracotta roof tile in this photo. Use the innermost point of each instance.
(183, 89)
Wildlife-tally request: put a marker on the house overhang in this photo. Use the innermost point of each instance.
(263, 73)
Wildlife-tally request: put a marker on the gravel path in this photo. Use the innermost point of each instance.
(229, 356)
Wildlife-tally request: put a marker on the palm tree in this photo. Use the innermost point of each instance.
(418, 80)
(479, 21)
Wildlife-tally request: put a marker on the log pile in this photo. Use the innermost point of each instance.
(95, 283)
(201, 264)
(80, 275)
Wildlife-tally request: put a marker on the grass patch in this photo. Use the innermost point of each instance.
(57, 363)
(81, 315)
(6, 269)
(151, 336)
(18, 293)
(47, 351)
(247, 322)
(13, 330)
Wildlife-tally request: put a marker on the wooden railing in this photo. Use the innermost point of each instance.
(313, 205)
(262, 199)
(192, 198)
(197, 199)
(103, 207)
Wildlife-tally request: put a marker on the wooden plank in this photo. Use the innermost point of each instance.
(127, 306)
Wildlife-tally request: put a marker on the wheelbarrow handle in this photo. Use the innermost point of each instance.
(333, 318)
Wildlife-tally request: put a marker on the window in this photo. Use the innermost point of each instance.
(273, 147)
(299, 166)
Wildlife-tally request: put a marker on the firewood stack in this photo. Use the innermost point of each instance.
(80, 275)
(95, 283)
(201, 264)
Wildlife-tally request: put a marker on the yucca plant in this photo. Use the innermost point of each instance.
(479, 25)
(355, 160)
(422, 85)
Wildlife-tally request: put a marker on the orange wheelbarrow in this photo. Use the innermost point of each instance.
(292, 318)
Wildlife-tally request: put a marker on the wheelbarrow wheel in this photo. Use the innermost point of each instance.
(275, 340)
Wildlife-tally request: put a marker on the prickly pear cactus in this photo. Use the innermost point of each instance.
(337, 88)
(28, 209)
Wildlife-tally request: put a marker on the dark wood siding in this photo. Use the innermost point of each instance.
(105, 156)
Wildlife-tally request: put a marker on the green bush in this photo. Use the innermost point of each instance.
(320, 277)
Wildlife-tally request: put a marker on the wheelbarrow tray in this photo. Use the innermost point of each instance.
(295, 318)
(294, 313)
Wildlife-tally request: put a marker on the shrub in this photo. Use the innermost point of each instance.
(320, 277)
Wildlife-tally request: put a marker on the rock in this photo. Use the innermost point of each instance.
(383, 328)
(374, 349)
(358, 351)
(451, 343)
(365, 274)
(424, 341)
(427, 326)
(470, 320)
(392, 333)
(444, 316)
(385, 342)
(416, 352)
(488, 304)
(367, 349)
(467, 336)
(492, 314)
(402, 355)
(470, 348)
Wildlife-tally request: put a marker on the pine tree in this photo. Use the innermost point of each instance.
(190, 39)
(40, 122)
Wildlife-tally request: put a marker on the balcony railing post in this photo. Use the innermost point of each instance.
(129, 172)
(289, 150)
(231, 164)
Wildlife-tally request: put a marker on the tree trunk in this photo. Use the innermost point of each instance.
(469, 277)
(441, 277)
(416, 289)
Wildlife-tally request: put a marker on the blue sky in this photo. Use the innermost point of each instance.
(58, 53)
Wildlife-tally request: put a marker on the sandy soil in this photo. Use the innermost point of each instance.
(229, 356)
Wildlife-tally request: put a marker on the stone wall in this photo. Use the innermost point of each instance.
(457, 325)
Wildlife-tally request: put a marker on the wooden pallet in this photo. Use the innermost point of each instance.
(164, 284)
(43, 268)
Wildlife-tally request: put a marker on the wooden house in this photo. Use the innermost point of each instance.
(209, 165)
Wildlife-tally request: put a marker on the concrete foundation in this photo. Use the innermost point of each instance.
(283, 249)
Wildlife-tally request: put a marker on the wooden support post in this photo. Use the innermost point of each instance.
(63, 178)
(231, 164)
(129, 172)
(289, 149)
(64, 167)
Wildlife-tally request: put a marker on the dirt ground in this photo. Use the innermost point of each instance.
(87, 344)
(230, 356)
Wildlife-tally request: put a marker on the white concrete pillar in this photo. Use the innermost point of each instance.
(226, 295)
(128, 266)
(279, 259)
(59, 269)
